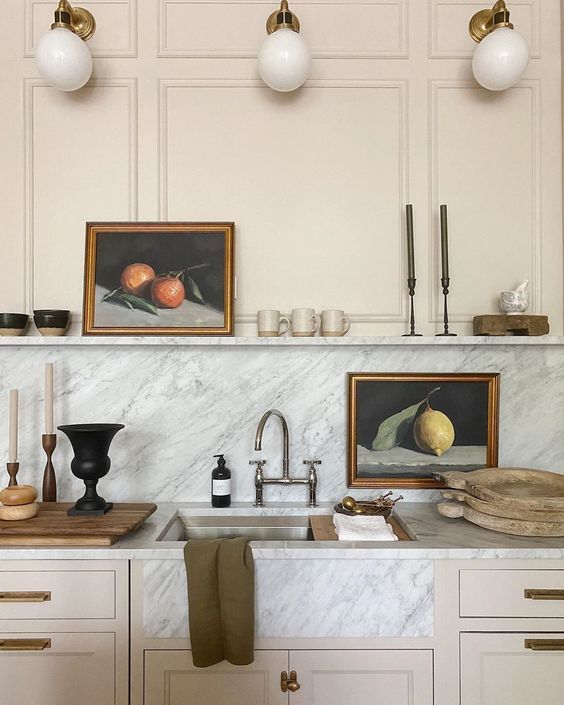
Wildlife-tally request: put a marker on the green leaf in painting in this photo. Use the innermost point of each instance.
(139, 303)
(394, 430)
(194, 289)
(131, 301)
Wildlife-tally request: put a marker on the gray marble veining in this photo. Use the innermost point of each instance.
(182, 404)
(363, 598)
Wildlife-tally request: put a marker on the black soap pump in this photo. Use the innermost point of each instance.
(221, 484)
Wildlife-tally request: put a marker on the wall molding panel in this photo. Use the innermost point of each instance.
(448, 26)
(31, 87)
(531, 89)
(376, 29)
(396, 311)
(116, 26)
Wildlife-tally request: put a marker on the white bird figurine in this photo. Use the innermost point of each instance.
(516, 301)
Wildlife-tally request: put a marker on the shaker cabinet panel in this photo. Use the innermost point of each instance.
(500, 669)
(172, 679)
(57, 669)
(54, 594)
(512, 593)
(391, 677)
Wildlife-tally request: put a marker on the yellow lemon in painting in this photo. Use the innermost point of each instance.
(433, 431)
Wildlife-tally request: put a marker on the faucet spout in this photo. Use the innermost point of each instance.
(285, 439)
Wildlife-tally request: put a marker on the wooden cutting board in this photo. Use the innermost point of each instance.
(494, 509)
(53, 527)
(324, 530)
(516, 527)
(511, 488)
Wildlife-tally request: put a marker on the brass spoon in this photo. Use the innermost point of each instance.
(349, 503)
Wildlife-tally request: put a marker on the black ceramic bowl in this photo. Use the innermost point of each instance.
(51, 322)
(13, 323)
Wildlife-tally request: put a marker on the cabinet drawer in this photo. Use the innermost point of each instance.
(48, 668)
(511, 669)
(57, 594)
(512, 593)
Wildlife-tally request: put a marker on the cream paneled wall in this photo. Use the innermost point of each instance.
(176, 125)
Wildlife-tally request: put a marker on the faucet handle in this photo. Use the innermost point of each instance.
(312, 463)
(259, 463)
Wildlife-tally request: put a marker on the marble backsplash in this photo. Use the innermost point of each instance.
(182, 404)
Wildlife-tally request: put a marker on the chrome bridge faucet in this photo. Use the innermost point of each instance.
(261, 480)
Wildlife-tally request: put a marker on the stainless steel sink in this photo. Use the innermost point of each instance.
(256, 528)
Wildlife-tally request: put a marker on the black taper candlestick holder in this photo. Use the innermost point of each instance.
(445, 281)
(411, 287)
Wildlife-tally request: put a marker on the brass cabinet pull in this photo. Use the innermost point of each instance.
(544, 644)
(544, 594)
(289, 683)
(24, 644)
(25, 596)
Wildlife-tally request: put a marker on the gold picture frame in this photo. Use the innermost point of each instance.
(151, 278)
(390, 455)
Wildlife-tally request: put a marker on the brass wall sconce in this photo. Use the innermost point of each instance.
(502, 54)
(62, 57)
(284, 60)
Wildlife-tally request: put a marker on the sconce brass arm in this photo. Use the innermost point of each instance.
(485, 21)
(77, 19)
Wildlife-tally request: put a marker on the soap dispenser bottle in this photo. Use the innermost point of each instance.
(221, 484)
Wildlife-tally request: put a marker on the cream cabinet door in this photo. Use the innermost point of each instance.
(390, 677)
(57, 669)
(172, 679)
(498, 669)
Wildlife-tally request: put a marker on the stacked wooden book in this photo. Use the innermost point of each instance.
(515, 501)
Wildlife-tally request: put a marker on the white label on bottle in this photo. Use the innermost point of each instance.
(221, 488)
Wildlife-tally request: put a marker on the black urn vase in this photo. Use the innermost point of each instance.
(90, 442)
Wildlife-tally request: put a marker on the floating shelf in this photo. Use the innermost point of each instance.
(347, 341)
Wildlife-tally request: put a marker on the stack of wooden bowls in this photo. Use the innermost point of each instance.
(18, 503)
(515, 501)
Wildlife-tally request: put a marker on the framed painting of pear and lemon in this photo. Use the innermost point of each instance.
(158, 279)
(403, 428)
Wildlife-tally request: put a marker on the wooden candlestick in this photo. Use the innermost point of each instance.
(49, 443)
(12, 472)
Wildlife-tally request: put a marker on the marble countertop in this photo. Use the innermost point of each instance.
(282, 341)
(435, 537)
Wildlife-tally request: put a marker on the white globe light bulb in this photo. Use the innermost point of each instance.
(500, 59)
(284, 60)
(63, 59)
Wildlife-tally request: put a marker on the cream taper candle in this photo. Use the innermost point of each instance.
(13, 445)
(49, 397)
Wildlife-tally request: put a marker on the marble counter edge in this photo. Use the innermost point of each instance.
(437, 539)
(239, 341)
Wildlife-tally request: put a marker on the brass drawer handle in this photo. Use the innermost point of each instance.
(24, 644)
(289, 683)
(25, 596)
(544, 594)
(544, 644)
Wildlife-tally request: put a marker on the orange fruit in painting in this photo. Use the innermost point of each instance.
(167, 292)
(136, 277)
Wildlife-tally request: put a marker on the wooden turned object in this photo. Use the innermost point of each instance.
(511, 325)
(49, 443)
(12, 472)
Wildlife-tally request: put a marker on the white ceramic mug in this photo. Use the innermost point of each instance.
(334, 323)
(269, 322)
(305, 322)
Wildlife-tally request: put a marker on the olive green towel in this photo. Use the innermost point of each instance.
(221, 601)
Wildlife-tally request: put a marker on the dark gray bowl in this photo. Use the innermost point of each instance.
(13, 323)
(51, 321)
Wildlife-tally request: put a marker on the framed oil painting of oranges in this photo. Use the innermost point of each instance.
(158, 279)
(404, 428)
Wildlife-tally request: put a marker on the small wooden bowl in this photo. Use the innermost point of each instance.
(18, 495)
(26, 511)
